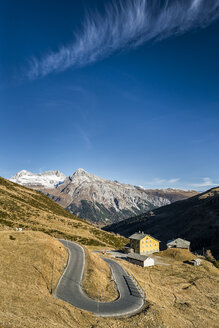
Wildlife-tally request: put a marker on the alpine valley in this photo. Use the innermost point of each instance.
(96, 199)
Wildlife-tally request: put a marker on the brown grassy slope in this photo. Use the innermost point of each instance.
(179, 295)
(182, 295)
(97, 280)
(195, 219)
(31, 264)
(29, 209)
(177, 254)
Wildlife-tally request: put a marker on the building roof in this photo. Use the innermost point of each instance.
(196, 260)
(141, 235)
(137, 257)
(137, 236)
(179, 243)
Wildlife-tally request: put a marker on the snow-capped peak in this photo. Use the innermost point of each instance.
(48, 179)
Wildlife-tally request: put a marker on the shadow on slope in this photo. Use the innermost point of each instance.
(195, 219)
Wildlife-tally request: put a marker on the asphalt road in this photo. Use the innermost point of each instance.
(69, 287)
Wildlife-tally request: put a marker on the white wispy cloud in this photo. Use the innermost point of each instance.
(126, 24)
(206, 182)
(160, 182)
(84, 136)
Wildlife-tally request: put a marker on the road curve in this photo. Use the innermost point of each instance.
(69, 287)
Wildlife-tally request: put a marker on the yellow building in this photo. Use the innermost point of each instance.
(144, 243)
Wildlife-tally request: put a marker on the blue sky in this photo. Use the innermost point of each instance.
(128, 92)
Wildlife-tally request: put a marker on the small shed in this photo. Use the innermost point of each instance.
(140, 260)
(196, 261)
(128, 249)
(178, 243)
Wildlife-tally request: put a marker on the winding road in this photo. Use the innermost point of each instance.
(69, 288)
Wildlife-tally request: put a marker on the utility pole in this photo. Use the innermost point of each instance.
(98, 305)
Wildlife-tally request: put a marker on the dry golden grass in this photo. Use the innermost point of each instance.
(210, 193)
(31, 264)
(97, 280)
(177, 254)
(178, 295)
(25, 285)
(181, 295)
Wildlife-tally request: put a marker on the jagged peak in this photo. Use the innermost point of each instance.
(81, 175)
(23, 171)
(80, 172)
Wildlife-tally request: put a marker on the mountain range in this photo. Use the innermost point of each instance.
(96, 199)
(195, 219)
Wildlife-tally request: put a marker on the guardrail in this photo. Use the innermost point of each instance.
(143, 294)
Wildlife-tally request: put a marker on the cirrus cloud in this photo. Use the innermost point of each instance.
(206, 182)
(158, 182)
(125, 24)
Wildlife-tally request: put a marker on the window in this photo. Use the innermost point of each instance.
(150, 241)
(155, 244)
(146, 245)
(146, 241)
(150, 245)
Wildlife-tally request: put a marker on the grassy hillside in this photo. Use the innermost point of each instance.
(195, 219)
(32, 210)
(97, 279)
(178, 295)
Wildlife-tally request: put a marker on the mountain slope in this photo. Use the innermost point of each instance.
(195, 219)
(32, 210)
(104, 201)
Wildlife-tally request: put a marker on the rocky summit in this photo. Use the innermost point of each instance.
(96, 199)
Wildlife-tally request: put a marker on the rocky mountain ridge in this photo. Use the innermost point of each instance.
(96, 199)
